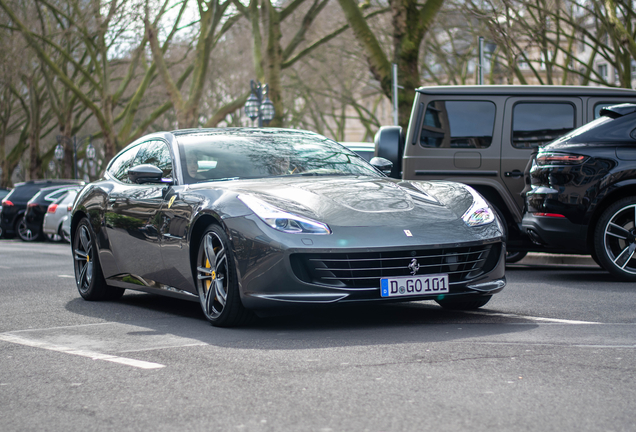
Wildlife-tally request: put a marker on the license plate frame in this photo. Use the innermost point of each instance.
(412, 286)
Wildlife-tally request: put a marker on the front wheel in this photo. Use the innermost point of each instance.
(217, 282)
(88, 273)
(468, 302)
(615, 239)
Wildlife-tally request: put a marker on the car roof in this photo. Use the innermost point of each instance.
(51, 189)
(52, 182)
(241, 131)
(26, 190)
(526, 90)
(616, 111)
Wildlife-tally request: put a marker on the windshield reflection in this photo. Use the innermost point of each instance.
(246, 154)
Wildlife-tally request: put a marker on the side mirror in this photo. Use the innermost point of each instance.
(389, 144)
(383, 165)
(145, 174)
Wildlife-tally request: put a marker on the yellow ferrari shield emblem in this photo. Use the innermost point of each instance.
(171, 201)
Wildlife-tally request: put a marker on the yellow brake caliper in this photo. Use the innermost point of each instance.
(208, 283)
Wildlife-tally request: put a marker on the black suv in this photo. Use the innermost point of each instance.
(583, 192)
(14, 205)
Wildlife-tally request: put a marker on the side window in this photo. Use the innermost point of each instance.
(458, 124)
(534, 124)
(156, 153)
(119, 166)
(55, 195)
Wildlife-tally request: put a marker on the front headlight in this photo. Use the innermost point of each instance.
(479, 213)
(281, 220)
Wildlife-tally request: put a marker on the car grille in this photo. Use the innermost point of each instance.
(364, 270)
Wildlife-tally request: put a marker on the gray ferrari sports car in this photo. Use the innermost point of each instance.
(254, 220)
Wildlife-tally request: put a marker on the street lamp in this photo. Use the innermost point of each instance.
(258, 104)
(489, 48)
(59, 150)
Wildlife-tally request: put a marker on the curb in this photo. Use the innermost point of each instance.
(537, 258)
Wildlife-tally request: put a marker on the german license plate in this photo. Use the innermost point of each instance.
(404, 286)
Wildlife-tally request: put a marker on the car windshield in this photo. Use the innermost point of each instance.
(245, 155)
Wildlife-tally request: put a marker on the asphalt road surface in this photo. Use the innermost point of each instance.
(555, 351)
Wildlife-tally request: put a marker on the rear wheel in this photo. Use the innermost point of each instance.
(511, 256)
(615, 239)
(24, 232)
(88, 273)
(515, 256)
(217, 282)
(66, 238)
(464, 302)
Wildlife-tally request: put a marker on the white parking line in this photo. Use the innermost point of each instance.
(531, 318)
(7, 337)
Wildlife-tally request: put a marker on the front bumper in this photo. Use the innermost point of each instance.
(269, 277)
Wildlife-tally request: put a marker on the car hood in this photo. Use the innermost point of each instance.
(360, 201)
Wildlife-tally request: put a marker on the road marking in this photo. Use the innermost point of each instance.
(531, 318)
(66, 276)
(7, 337)
(166, 347)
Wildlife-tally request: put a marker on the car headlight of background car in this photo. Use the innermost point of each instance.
(479, 213)
(281, 220)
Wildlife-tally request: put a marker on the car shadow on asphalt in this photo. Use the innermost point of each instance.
(578, 274)
(350, 325)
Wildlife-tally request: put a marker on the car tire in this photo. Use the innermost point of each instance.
(511, 256)
(615, 239)
(217, 282)
(62, 234)
(515, 256)
(24, 232)
(88, 272)
(464, 302)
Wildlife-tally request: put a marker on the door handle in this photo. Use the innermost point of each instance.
(513, 174)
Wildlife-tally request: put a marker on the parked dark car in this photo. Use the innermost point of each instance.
(583, 192)
(3, 193)
(245, 220)
(37, 208)
(15, 203)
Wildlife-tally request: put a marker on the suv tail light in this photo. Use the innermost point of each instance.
(559, 159)
(6, 203)
(32, 204)
(52, 208)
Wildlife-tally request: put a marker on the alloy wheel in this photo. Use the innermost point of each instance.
(24, 232)
(83, 256)
(619, 239)
(212, 275)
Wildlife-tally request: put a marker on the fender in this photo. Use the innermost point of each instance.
(609, 194)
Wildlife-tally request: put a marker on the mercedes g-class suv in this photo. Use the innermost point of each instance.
(484, 136)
